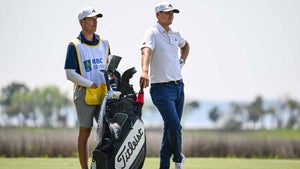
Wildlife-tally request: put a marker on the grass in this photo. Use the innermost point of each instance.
(152, 163)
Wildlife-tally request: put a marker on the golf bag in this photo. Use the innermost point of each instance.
(123, 139)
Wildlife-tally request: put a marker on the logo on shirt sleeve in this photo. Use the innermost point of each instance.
(87, 65)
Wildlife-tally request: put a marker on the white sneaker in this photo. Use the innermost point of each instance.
(180, 165)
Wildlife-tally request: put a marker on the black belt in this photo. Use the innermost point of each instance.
(171, 82)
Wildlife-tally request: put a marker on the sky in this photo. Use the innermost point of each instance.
(239, 48)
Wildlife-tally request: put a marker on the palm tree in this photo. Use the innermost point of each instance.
(256, 110)
(214, 114)
(293, 107)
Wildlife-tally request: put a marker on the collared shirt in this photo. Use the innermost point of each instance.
(164, 61)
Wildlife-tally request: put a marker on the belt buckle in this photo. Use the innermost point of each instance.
(176, 81)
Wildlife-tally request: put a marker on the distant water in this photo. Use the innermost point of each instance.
(198, 118)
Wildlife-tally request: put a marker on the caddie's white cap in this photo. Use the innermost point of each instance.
(88, 12)
(165, 6)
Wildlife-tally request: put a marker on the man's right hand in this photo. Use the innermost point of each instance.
(144, 80)
(94, 86)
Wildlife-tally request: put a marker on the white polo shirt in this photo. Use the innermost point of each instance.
(164, 61)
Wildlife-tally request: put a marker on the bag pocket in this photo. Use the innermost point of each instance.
(95, 96)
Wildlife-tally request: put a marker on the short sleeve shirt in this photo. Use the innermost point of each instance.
(164, 64)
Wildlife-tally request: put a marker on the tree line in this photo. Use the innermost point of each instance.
(45, 107)
(49, 107)
(281, 114)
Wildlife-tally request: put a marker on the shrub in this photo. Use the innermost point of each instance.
(62, 143)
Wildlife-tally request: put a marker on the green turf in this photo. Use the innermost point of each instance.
(152, 163)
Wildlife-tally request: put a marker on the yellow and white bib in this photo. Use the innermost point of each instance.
(92, 59)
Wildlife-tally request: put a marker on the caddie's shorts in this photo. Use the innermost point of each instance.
(85, 112)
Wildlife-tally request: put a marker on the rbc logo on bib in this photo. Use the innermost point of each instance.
(87, 65)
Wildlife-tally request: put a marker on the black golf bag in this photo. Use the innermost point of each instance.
(123, 145)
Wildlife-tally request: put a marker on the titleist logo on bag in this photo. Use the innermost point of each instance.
(130, 148)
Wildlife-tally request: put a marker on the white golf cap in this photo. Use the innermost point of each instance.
(165, 6)
(88, 12)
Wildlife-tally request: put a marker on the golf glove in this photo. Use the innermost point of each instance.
(181, 62)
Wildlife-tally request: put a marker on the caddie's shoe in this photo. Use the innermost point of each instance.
(180, 165)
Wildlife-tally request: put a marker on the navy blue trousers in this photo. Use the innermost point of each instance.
(169, 100)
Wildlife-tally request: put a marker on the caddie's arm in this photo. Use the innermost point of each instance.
(78, 79)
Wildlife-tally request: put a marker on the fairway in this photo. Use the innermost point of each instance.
(152, 163)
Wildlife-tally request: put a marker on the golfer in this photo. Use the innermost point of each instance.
(165, 51)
